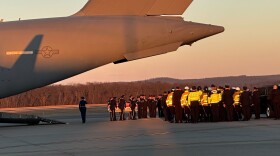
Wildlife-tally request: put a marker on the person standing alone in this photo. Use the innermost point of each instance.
(83, 109)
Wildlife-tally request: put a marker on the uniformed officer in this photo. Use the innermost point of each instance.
(149, 104)
(206, 110)
(170, 108)
(194, 99)
(140, 106)
(145, 107)
(256, 102)
(122, 105)
(112, 106)
(245, 100)
(237, 104)
(185, 105)
(228, 102)
(153, 106)
(201, 111)
(214, 101)
(164, 106)
(133, 102)
(159, 106)
(83, 109)
(176, 102)
(222, 109)
(275, 100)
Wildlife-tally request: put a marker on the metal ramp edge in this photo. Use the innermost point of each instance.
(25, 119)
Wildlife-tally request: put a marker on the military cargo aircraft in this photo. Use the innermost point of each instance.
(39, 52)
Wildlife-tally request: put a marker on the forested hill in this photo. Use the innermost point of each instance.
(98, 93)
(258, 81)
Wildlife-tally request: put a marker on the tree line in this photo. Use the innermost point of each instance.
(97, 93)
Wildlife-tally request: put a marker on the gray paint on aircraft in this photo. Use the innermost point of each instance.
(67, 46)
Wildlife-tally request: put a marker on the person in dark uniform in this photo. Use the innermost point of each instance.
(245, 100)
(153, 107)
(164, 106)
(145, 107)
(122, 105)
(227, 99)
(256, 102)
(274, 97)
(149, 104)
(222, 109)
(112, 106)
(133, 102)
(140, 106)
(159, 106)
(176, 101)
(83, 109)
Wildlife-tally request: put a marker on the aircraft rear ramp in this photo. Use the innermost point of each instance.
(25, 119)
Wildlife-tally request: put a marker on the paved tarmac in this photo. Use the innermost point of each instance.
(141, 137)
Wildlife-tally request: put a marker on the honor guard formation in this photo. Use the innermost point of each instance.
(195, 104)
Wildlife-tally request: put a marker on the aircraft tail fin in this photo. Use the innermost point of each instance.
(134, 7)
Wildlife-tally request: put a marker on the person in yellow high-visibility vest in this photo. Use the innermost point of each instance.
(169, 99)
(236, 104)
(193, 100)
(214, 101)
(170, 108)
(205, 104)
(185, 105)
(201, 110)
(184, 97)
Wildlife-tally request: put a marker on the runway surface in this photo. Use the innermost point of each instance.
(141, 137)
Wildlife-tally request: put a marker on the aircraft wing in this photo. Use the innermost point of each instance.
(134, 7)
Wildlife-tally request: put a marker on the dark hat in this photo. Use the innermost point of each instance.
(227, 86)
(205, 88)
(245, 88)
(193, 87)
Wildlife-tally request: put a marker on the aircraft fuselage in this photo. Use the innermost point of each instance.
(35, 53)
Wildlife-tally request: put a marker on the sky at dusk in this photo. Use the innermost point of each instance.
(250, 44)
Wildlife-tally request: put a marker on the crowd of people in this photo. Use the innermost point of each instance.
(195, 104)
